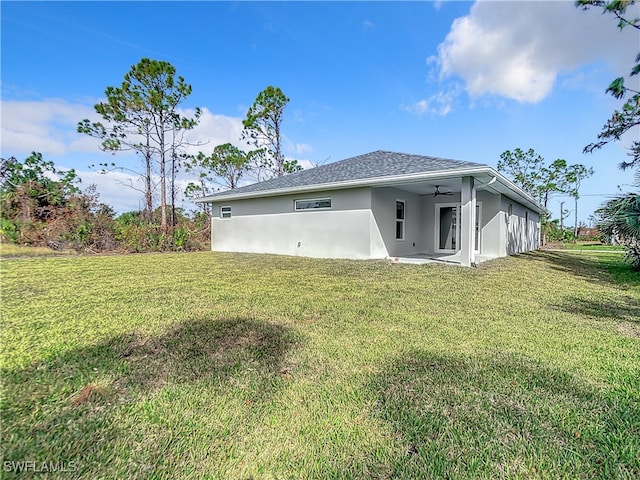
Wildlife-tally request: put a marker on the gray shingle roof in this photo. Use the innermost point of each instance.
(372, 165)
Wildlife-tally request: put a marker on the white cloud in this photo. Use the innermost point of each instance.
(298, 116)
(441, 103)
(213, 130)
(302, 148)
(47, 126)
(306, 164)
(419, 108)
(297, 149)
(115, 189)
(517, 49)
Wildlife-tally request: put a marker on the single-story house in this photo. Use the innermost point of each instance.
(380, 205)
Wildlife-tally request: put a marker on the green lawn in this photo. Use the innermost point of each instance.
(226, 366)
(591, 246)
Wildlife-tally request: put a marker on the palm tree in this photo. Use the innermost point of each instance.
(620, 220)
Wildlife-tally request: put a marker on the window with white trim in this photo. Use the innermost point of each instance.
(313, 204)
(225, 212)
(400, 217)
(476, 241)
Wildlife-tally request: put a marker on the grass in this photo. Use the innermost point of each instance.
(592, 247)
(209, 365)
(11, 250)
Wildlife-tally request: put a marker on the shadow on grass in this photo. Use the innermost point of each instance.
(623, 309)
(76, 407)
(610, 268)
(504, 417)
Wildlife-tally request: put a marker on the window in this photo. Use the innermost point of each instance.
(225, 212)
(313, 204)
(509, 213)
(400, 207)
(526, 223)
(476, 243)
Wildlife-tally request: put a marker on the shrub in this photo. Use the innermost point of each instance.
(10, 231)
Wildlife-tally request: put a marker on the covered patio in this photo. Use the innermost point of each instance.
(447, 258)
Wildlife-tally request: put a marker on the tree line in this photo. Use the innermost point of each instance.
(143, 115)
(529, 171)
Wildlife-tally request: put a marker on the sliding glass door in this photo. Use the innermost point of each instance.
(448, 227)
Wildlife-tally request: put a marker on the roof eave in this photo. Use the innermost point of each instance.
(366, 182)
(521, 195)
(512, 188)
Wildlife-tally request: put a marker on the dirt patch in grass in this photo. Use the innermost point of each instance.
(91, 393)
(629, 329)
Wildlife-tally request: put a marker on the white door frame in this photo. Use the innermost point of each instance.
(457, 205)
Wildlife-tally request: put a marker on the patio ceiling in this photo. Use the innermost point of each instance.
(445, 184)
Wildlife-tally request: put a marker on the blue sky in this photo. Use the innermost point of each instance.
(463, 80)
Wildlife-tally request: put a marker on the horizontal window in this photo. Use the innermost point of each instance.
(225, 212)
(313, 204)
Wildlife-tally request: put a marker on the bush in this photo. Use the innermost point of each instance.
(619, 221)
(10, 230)
(555, 234)
(37, 210)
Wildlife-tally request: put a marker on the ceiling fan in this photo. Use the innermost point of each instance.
(438, 192)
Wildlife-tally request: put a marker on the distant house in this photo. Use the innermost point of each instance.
(380, 205)
(586, 232)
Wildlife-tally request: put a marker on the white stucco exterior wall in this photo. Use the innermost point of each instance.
(468, 221)
(361, 224)
(383, 206)
(347, 199)
(323, 234)
(271, 225)
(490, 224)
(521, 229)
(428, 221)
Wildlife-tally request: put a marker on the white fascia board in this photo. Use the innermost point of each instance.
(484, 171)
(365, 182)
(516, 193)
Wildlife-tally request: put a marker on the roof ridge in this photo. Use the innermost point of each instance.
(419, 155)
(365, 167)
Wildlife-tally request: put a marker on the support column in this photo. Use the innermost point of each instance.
(467, 222)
